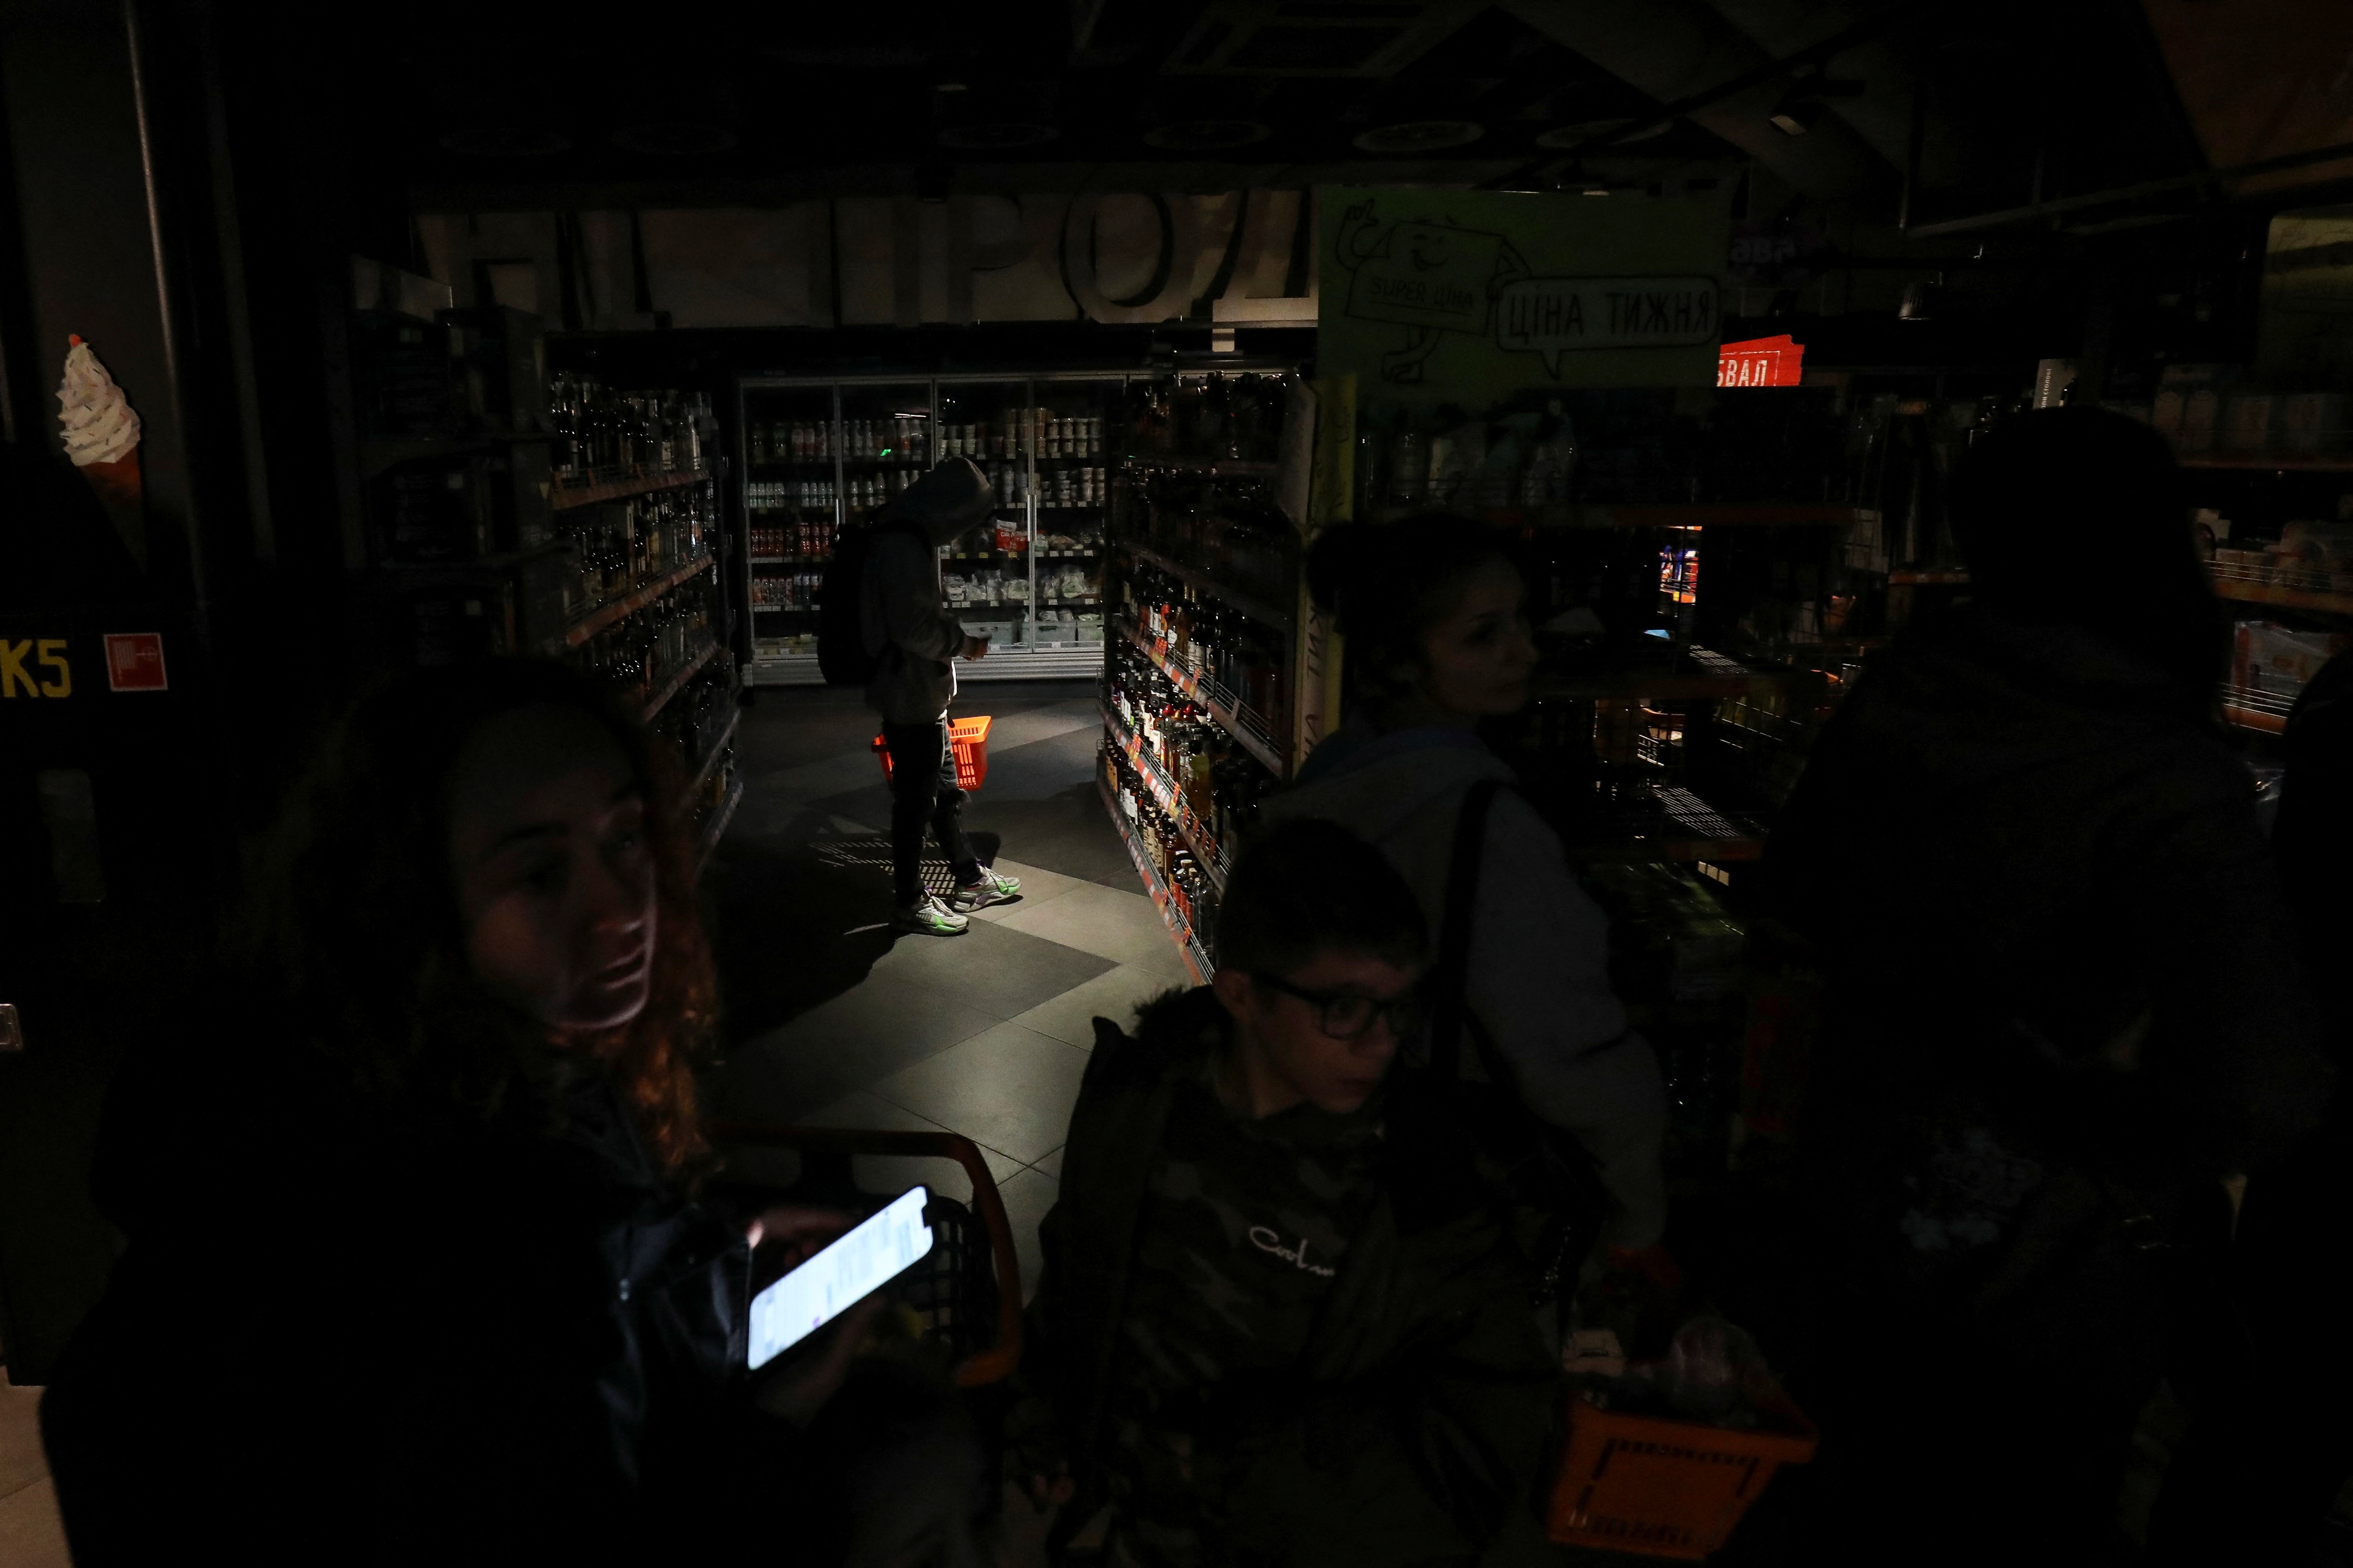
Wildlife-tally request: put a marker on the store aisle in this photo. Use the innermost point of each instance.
(835, 1020)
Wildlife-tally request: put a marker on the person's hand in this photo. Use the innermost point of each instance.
(975, 648)
(1051, 1491)
(797, 1393)
(797, 1230)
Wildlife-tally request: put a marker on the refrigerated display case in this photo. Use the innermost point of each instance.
(828, 454)
(792, 481)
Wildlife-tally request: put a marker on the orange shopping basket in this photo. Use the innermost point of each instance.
(969, 737)
(1665, 1488)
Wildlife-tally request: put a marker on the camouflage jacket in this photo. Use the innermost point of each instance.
(1398, 1411)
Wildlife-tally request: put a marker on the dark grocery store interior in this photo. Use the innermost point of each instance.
(1572, 772)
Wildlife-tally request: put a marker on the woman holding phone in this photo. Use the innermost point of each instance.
(415, 1256)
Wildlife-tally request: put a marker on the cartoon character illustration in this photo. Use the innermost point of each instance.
(1428, 276)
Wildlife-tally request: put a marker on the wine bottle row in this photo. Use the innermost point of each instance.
(618, 546)
(601, 433)
(640, 652)
(1181, 875)
(1239, 659)
(1218, 782)
(1225, 528)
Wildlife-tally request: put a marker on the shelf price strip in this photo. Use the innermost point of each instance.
(1189, 686)
(1195, 958)
(1197, 838)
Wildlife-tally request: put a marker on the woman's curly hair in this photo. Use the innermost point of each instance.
(1387, 583)
(353, 918)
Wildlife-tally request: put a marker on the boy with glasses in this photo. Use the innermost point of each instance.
(1258, 1348)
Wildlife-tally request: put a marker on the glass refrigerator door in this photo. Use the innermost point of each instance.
(985, 575)
(1074, 477)
(885, 435)
(792, 496)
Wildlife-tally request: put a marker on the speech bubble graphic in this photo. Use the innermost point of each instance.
(1557, 316)
(1429, 275)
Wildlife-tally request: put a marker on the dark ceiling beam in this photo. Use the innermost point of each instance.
(508, 193)
(1686, 56)
(1881, 113)
(2339, 152)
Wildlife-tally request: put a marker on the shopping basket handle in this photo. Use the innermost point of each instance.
(999, 1360)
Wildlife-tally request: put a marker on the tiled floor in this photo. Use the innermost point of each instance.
(837, 1021)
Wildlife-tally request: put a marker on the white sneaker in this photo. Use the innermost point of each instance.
(994, 887)
(929, 917)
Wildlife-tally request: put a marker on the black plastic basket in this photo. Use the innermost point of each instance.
(967, 1290)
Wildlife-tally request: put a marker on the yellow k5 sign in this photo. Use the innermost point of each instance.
(34, 667)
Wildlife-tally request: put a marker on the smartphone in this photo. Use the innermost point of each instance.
(852, 1268)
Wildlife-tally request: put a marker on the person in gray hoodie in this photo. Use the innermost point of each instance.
(1437, 639)
(913, 642)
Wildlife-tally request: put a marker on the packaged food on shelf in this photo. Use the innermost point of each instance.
(2278, 660)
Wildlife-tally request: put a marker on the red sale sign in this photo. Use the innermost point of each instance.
(134, 661)
(1762, 361)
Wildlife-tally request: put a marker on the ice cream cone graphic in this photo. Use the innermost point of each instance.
(101, 432)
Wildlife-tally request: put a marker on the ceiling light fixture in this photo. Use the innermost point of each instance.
(1206, 135)
(506, 142)
(1419, 136)
(1564, 137)
(996, 135)
(674, 139)
(1800, 107)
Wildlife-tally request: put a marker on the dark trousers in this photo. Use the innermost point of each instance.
(924, 790)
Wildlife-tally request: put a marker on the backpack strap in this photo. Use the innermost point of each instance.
(1451, 980)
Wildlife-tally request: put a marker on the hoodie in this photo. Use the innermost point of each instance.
(914, 640)
(1539, 977)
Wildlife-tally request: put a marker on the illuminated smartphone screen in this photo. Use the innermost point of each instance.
(853, 1268)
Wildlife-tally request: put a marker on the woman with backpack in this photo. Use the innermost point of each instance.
(1433, 616)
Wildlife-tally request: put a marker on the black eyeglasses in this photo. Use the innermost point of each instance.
(1346, 1014)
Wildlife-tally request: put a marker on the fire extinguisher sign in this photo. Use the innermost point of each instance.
(134, 661)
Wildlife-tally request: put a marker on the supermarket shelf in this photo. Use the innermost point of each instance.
(568, 496)
(378, 453)
(1227, 717)
(1066, 662)
(1678, 826)
(2246, 593)
(784, 609)
(1163, 790)
(1200, 465)
(1663, 685)
(786, 670)
(1079, 661)
(2257, 718)
(481, 566)
(1724, 514)
(717, 749)
(677, 683)
(1905, 579)
(2278, 462)
(1202, 582)
(1178, 931)
(719, 821)
(597, 620)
